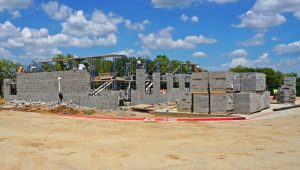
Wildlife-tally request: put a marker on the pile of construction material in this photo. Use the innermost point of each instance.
(252, 96)
(226, 92)
(212, 92)
(185, 104)
(287, 92)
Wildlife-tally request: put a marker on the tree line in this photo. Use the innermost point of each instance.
(274, 78)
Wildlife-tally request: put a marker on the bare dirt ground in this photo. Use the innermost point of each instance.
(42, 141)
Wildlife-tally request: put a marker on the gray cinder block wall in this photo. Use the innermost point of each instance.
(75, 86)
(181, 81)
(170, 81)
(156, 83)
(200, 103)
(139, 96)
(140, 80)
(7, 89)
(185, 104)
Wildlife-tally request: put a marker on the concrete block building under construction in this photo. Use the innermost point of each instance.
(197, 92)
(108, 91)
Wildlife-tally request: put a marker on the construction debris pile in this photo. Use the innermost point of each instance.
(287, 92)
(226, 92)
(68, 107)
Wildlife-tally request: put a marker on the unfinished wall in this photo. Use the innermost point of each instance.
(44, 86)
(139, 96)
(7, 89)
(75, 86)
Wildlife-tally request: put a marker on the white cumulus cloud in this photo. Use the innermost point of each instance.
(15, 14)
(261, 61)
(164, 40)
(275, 38)
(257, 39)
(199, 54)
(222, 1)
(7, 29)
(78, 30)
(136, 26)
(99, 24)
(57, 11)
(268, 13)
(34, 42)
(184, 17)
(134, 53)
(4, 53)
(290, 48)
(14, 4)
(194, 19)
(184, 3)
(239, 53)
(75, 22)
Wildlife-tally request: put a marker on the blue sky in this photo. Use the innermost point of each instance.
(216, 34)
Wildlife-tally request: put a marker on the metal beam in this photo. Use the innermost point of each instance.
(85, 58)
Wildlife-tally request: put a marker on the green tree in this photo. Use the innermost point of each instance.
(163, 61)
(273, 77)
(8, 70)
(58, 66)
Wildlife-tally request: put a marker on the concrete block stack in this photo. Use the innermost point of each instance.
(199, 88)
(252, 82)
(221, 91)
(199, 81)
(226, 92)
(245, 102)
(220, 81)
(253, 96)
(287, 92)
(200, 103)
(212, 92)
(221, 103)
(266, 99)
(185, 104)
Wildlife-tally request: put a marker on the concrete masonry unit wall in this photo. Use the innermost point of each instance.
(75, 86)
(139, 95)
(7, 89)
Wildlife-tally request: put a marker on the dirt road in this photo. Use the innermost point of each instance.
(37, 141)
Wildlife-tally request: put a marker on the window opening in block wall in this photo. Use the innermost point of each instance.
(187, 84)
(175, 84)
(13, 89)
